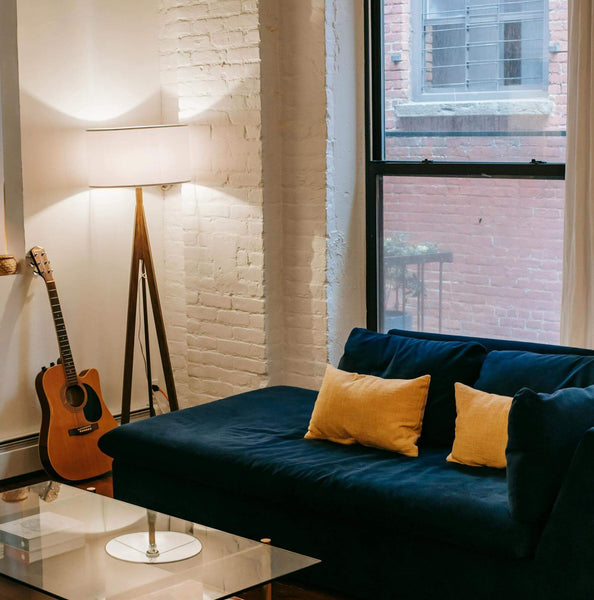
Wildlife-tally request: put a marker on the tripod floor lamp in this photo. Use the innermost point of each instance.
(138, 157)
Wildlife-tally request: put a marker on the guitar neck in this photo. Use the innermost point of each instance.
(65, 352)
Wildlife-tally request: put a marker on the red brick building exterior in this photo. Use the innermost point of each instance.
(505, 236)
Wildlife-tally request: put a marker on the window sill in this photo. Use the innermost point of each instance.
(528, 107)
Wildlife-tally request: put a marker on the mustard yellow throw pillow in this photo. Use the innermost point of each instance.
(481, 428)
(377, 412)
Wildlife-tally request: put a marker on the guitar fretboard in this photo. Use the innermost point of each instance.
(65, 353)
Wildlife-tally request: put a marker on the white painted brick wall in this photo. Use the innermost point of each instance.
(345, 198)
(246, 245)
(215, 289)
(173, 294)
(304, 190)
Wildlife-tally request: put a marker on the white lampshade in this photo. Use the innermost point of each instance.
(138, 156)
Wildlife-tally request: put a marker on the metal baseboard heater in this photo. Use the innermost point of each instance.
(20, 456)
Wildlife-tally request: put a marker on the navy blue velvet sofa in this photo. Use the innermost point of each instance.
(384, 525)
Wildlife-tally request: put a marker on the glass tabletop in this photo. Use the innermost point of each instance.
(54, 537)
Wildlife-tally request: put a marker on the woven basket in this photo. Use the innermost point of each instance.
(8, 264)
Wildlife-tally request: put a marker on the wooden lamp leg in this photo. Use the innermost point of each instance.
(141, 251)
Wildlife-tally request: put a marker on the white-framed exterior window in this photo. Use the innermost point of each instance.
(479, 49)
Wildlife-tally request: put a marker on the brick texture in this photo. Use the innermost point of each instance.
(245, 288)
(303, 128)
(506, 236)
(215, 286)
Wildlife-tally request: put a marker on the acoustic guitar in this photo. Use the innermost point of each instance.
(74, 415)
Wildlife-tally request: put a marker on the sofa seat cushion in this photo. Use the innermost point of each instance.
(252, 444)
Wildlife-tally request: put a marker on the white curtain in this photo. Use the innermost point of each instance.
(577, 312)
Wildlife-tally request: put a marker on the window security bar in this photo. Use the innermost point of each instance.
(476, 82)
(483, 62)
(477, 44)
(503, 6)
(483, 18)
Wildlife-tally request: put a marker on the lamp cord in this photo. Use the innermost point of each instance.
(139, 336)
(138, 324)
(154, 388)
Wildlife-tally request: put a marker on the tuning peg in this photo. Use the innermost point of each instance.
(35, 274)
(32, 265)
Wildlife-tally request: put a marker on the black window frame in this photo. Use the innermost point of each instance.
(376, 166)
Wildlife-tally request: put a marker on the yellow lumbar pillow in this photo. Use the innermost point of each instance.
(481, 428)
(377, 412)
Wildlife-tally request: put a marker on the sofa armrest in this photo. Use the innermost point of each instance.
(565, 554)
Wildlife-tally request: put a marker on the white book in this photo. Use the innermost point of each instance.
(44, 529)
(31, 556)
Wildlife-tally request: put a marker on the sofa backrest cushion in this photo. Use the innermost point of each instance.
(494, 344)
(543, 433)
(506, 372)
(400, 357)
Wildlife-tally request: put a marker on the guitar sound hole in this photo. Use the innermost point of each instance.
(75, 396)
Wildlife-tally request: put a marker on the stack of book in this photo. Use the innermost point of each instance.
(40, 536)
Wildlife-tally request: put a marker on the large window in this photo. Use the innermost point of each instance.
(480, 47)
(466, 145)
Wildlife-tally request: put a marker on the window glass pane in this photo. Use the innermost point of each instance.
(476, 80)
(483, 57)
(525, 6)
(446, 8)
(512, 53)
(445, 63)
(472, 256)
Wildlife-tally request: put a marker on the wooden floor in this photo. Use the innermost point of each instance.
(10, 590)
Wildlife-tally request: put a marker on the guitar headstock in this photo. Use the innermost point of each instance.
(41, 263)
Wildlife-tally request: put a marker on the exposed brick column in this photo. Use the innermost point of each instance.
(294, 151)
(215, 288)
(246, 254)
(304, 133)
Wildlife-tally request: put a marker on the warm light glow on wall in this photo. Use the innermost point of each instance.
(88, 60)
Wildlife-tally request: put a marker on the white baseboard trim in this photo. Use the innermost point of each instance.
(21, 456)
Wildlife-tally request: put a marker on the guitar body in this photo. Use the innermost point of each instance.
(74, 417)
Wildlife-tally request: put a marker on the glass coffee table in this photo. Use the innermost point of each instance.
(54, 539)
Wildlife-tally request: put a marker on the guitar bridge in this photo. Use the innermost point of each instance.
(83, 429)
